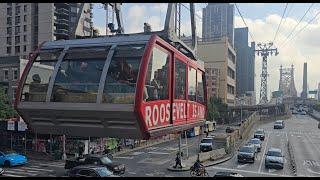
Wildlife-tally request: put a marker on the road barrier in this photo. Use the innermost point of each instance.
(292, 160)
(212, 155)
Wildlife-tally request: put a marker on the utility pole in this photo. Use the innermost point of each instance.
(265, 50)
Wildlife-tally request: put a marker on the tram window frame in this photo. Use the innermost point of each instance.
(148, 94)
(40, 87)
(121, 84)
(200, 75)
(79, 74)
(192, 97)
(177, 92)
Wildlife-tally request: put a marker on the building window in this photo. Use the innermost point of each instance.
(192, 83)
(25, 18)
(17, 49)
(230, 89)
(14, 91)
(25, 8)
(9, 30)
(157, 81)
(231, 73)
(15, 73)
(9, 20)
(6, 74)
(200, 87)
(25, 38)
(17, 10)
(6, 90)
(180, 80)
(9, 50)
(24, 48)
(9, 40)
(17, 29)
(24, 28)
(231, 56)
(17, 39)
(9, 4)
(17, 20)
(9, 11)
(73, 9)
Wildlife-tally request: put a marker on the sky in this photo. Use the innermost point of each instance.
(262, 20)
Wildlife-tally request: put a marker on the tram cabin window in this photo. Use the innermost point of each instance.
(79, 75)
(200, 87)
(36, 84)
(156, 85)
(180, 80)
(120, 85)
(192, 81)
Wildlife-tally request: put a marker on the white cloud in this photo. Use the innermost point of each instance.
(302, 49)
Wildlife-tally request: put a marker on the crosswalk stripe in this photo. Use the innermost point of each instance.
(48, 170)
(11, 175)
(20, 173)
(29, 171)
(154, 152)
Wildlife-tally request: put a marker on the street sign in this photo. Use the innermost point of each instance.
(10, 126)
(22, 126)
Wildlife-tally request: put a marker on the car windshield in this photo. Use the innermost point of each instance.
(10, 152)
(254, 141)
(259, 132)
(206, 141)
(246, 149)
(105, 160)
(103, 172)
(274, 153)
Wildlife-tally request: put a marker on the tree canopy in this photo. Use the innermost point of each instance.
(6, 109)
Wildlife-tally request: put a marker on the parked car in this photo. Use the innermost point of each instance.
(274, 158)
(247, 154)
(279, 124)
(259, 134)
(12, 158)
(227, 174)
(257, 143)
(229, 129)
(303, 113)
(96, 159)
(1, 171)
(206, 144)
(90, 171)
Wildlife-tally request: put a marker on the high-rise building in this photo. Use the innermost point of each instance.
(218, 21)
(25, 25)
(304, 93)
(220, 55)
(245, 61)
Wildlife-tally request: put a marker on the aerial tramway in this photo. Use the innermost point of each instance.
(127, 86)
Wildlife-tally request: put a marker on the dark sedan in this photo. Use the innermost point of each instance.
(247, 154)
(279, 124)
(90, 171)
(115, 167)
(259, 134)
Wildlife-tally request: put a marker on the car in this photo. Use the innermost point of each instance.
(303, 113)
(90, 171)
(229, 129)
(259, 134)
(206, 144)
(295, 112)
(11, 158)
(257, 143)
(279, 124)
(227, 174)
(1, 171)
(96, 159)
(274, 158)
(246, 154)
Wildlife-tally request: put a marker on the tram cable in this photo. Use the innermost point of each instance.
(275, 36)
(244, 21)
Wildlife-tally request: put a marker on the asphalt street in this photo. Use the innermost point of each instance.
(301, 130)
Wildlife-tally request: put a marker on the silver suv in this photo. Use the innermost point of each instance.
(274, 158)
(206, 144)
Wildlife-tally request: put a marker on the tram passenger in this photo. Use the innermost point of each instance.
(156, 86)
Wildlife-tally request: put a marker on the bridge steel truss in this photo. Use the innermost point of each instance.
(286, 82)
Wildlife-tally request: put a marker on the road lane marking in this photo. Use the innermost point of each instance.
(132, 172)
(246, 171)
(39, 169)
(123, 157)
(272, 170)
(242, 165)
(155, 152)
(313, 143)
(137, 153)
(21, 173)
(29, 171)
(149, 174)
(11, 175)
(44, 165)
(264, 152)
(312, 171)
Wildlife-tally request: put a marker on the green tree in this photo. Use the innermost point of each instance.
(217, 110)
(6, 109)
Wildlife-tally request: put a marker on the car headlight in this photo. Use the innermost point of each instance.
(116, 168)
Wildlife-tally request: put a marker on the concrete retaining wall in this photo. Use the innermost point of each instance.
(212, 155)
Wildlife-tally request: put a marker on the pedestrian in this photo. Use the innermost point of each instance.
(81, 150)
(178, 161)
